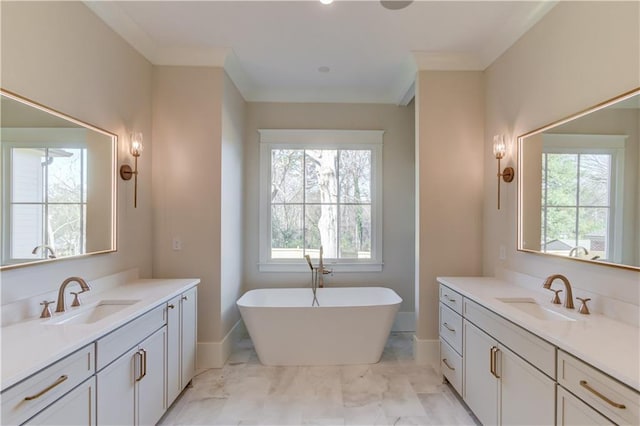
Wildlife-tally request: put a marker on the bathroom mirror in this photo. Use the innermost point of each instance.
(57, 179)
(579, 185)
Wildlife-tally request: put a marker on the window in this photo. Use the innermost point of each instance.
(580, 201)
(321, 188)
(46, 199)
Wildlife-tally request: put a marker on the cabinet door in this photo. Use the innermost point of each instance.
(573, 412)
(480, 385)
(78, 407)
(174, 365)
(116, 398)
(189, 312)
(150, 403)
(527, 397)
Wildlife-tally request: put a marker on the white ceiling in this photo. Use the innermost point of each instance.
(272, 49)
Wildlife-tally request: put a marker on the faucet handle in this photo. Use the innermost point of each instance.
(556, 297)
(46, 311)
(76, 301)
(584, 309)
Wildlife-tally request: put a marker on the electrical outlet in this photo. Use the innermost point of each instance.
(503, 252)
(176, 243)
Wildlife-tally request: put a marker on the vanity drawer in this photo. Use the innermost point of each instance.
(451, 298)
(451, 328)
(451, 365)
(610, 397)
(539, 353)
(124, 338)
(32, 395)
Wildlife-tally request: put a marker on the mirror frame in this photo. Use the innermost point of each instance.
(521, 138)
(114, 174)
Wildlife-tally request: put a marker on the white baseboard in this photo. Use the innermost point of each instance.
(215, 354)
(405, 321)
(427, 352)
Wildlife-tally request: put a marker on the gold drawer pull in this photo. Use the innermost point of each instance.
(585, 385)
(445, 325)
(444, 360)
(47, 389)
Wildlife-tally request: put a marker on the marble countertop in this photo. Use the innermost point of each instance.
(30, 346)
(611, 346)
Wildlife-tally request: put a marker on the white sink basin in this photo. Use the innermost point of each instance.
(532, 307)
(92, 313)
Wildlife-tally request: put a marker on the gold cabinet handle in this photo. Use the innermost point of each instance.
(444, 360)
(495, 362)
(445, 325)
(144, 363)
(585, 385)
(139, 355)
(47, 389)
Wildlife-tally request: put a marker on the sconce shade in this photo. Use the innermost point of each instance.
(499, 146)
(136, 143)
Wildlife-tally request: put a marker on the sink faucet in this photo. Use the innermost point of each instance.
(575, 252)
(568, 301)
(60, 307)
(44, 248)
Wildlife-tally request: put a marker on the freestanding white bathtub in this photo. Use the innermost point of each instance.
(351, 325)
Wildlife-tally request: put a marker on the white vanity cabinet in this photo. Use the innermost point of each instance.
(599, 391)
(49, 386)
(451, 337)
(573, 412)
(181, 338)
(131, 388)
(502, 388)
(78, 407)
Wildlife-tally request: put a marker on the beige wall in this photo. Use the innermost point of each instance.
(61, 55)
(232, 205)
(578, 55)
(449, 130)
(398, 188)
(187, 118)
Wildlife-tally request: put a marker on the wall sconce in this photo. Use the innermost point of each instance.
(499, 150)
(125, 170)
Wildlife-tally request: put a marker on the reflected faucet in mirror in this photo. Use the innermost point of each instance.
(575, 252)
(44, 248)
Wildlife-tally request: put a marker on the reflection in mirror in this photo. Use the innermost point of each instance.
(58, 177)
(579, 191)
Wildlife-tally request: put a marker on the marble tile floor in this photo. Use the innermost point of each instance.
(394, 391)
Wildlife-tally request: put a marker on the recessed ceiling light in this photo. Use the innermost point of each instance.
(324, 69)
(394, 4)
(326, 1)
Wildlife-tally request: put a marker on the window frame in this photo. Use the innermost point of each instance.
(613, 145)
(320, 139)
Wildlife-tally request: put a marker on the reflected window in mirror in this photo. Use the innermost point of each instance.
(58, 185)
(579, 185)
(582, 176)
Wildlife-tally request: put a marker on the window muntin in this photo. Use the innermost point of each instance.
(48, 202)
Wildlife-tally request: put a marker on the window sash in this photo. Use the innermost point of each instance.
(320, 139)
